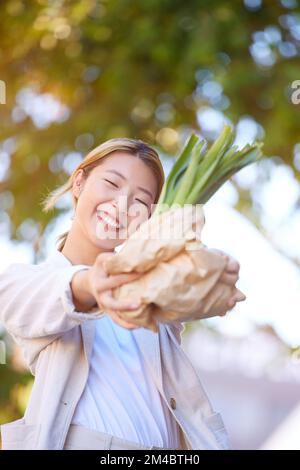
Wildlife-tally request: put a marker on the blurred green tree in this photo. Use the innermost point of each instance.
(79, 72)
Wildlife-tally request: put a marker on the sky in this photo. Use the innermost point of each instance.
(270, 281)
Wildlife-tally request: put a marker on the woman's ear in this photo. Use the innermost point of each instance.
(78, 183)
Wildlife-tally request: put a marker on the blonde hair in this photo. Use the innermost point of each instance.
(135, 147)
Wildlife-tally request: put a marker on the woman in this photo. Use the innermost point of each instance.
(101, 382)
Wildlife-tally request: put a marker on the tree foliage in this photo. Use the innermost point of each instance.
(131, 68)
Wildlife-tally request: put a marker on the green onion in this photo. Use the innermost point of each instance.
(189, 175)
(169, 185)
(196, 175)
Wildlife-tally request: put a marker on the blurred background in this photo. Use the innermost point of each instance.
(75, 73)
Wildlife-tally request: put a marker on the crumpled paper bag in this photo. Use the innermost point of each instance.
(180, 280)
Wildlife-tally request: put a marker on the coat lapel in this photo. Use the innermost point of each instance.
(88, 329)
(149, 345)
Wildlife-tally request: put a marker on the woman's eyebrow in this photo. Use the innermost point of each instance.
(123, 177)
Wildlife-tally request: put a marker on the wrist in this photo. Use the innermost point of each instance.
(82, 296)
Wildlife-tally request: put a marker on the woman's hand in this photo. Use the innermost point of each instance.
(94, 286)
(230, 276)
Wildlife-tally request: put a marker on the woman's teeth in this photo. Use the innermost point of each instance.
(107, 219)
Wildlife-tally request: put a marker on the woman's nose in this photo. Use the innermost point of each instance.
(120, 207)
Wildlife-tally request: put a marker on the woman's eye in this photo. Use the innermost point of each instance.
(116, 186)
(145, 204)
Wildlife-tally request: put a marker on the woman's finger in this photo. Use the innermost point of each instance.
(117, 280)
(115, 317)
(100, 262)
(109, 302)
(231, 303)
(232, 266)
(239, 296)
(229, 278)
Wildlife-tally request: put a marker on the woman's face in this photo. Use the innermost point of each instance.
(115, 198)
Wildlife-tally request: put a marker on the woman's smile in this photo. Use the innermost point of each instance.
(105, 217)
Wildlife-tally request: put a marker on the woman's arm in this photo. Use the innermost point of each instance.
(44, 300)
(82, 297)
(40, 302)
(37, 300)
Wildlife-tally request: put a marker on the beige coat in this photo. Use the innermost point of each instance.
(38, 311)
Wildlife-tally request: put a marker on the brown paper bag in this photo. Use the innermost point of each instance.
(180, 273)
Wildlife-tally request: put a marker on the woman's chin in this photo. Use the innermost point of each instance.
(106, 240)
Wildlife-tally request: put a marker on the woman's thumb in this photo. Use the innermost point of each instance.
(239, 296)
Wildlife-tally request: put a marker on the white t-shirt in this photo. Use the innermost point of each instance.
(120, 397)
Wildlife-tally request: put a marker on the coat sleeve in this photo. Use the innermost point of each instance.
(36, 300)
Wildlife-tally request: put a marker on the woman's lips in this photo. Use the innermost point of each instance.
(107, 224)
(115, 218)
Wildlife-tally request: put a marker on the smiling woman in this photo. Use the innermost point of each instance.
(113, 191)
(101, 382)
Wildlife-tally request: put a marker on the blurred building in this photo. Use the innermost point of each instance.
(253, 381)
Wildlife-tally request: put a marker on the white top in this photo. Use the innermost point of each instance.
(120, 397)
